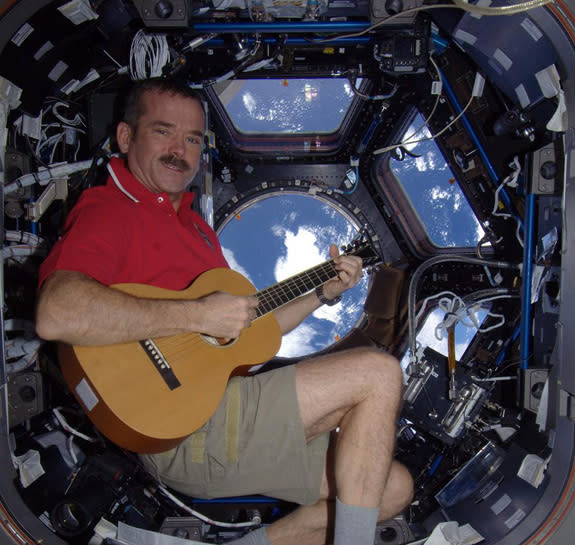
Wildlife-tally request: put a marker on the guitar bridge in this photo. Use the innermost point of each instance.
(160, 363)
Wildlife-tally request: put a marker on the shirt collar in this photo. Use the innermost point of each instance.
(123, 180)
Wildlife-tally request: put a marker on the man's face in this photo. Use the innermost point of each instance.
(165, 150)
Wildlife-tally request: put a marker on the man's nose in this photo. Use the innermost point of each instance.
(177, 146)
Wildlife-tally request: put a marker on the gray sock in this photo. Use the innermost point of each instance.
(354, 525)
(257, 537)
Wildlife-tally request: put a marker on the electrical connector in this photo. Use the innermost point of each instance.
(436, 87)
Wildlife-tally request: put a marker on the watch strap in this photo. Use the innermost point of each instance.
(324, 300)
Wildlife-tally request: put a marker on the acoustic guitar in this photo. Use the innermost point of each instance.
(148, 396)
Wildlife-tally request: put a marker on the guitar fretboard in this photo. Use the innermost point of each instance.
(279, 294)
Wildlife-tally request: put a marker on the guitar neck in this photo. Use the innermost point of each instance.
(283, 292)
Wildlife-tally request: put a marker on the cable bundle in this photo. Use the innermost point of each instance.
(149, 53)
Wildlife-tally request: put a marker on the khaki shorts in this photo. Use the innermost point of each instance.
(253, 444)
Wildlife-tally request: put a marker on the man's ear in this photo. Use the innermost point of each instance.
(124, 136)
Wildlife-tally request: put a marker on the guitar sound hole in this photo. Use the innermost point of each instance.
(218, 342)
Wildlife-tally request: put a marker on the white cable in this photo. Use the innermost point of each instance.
(23, 237)
(47, 141)
(500, 10)
(76, 121)
(511, 181)
(45, 175)
(203, 518)
(491, 379)
(22, 251)
(66, 427)
(431, 297)
(461, 4)
(433, 137)
(258, 65)
(457, 311)
(71, 449)
(53, 152)
(432, 113)
(62, 125)
(149, 53)
(414, 283)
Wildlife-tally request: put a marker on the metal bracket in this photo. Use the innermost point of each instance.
(533, 382)
(544, 171)
(57, 189)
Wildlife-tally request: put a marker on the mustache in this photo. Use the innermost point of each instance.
(172, 160)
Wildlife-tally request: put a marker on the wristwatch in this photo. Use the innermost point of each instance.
(324, 300)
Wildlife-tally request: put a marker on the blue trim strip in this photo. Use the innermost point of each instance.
(524, 344)
(490, 168)
(435, 464)
(228, 28)
(510, 340)
(360, 40)
(238, 499)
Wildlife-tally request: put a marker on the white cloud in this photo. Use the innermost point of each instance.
(298, 341)
(278, 230)
(249, 102)
(438, 193)
(301, 253)
(233, 263)
(302, 250)
(457, 201)
(421, 164)
(331, 314)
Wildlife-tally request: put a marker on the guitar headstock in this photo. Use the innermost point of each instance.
(362, 247)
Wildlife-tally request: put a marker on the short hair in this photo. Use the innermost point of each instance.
(133, 107)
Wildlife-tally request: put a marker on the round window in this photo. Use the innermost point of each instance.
(276, 236)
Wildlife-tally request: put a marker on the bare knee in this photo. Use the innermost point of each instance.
(382, 371)
(398, 491)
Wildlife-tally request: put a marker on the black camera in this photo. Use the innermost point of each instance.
(97, 486)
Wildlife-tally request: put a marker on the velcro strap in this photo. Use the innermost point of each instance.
(197, 447)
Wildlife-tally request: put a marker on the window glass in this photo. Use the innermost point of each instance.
(433, 190)
(286, 105)
(463, 335)
(279, 236)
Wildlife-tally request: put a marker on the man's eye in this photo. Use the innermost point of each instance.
(193, 140)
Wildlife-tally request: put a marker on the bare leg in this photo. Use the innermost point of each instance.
(358, 392)
(312, 525)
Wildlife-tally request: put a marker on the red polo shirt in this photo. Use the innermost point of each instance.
(122, 232)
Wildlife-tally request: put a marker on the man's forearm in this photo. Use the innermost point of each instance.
(78, 310)
(291, 315)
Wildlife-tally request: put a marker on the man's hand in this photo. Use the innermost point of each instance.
(225, 315)
(348, 273)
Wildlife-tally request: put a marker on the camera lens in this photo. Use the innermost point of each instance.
(70, 518)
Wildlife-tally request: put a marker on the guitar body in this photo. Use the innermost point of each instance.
(142, 407)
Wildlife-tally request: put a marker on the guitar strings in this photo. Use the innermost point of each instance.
(279, 294)
(275, 296)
